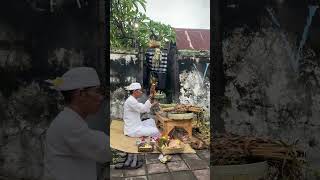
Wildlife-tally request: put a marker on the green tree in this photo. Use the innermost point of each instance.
(131, 28)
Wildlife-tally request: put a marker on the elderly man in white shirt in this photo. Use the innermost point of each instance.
(133, 125)
(72, 149)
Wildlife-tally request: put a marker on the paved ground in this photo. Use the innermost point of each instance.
(181, 167)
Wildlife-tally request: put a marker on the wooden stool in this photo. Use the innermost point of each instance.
(170, 124)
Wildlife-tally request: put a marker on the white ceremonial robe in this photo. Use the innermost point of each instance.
(72, 149)
(133, 126)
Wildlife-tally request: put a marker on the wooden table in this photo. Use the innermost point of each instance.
(170, 124)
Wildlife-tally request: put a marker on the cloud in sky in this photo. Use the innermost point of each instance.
(180, 13)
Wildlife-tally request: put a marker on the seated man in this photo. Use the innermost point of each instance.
(133, 126)
(72, 149)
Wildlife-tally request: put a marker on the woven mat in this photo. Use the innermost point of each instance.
(128, 144)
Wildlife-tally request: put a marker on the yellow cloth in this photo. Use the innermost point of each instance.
(128, 144)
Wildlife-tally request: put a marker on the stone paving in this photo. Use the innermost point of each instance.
(181, 167)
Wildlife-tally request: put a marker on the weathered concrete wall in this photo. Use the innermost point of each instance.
(195, 82)
(28, 114)
(193, 76)
(267, 98)
(125, 68)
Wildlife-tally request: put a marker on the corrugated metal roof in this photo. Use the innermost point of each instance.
(193, 39)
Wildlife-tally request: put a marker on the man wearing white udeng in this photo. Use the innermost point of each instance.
(72, 149)
(133, 125)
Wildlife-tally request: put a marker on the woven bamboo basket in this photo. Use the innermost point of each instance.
(180, 116)
(167, 105)
(141, 149)
(169, 150)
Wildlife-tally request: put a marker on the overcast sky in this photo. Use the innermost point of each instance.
(193, 14)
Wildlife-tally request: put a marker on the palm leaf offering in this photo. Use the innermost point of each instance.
(230, 149)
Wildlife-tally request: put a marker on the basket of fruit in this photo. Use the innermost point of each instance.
(169, 146)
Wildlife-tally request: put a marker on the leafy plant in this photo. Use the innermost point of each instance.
(130, 28)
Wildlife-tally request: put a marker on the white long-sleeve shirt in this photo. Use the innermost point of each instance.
(131, 114)
(72, 149)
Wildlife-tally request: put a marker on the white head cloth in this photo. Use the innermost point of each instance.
(76, 78)
(133, 86)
